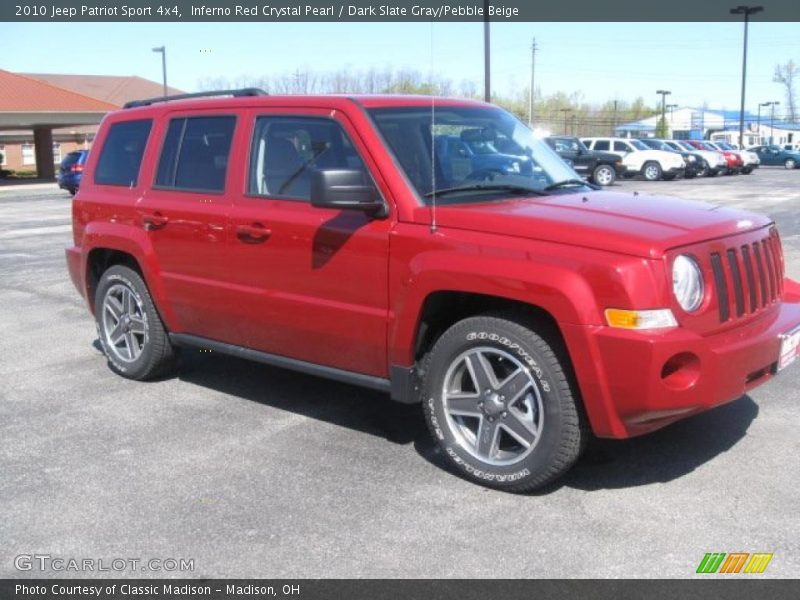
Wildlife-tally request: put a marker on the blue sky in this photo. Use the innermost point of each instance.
(698, 62)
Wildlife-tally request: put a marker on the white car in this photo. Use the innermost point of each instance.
(638, 158)
(750, 160)
(715, 162)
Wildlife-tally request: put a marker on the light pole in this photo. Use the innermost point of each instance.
(163, 51)
(772, 121)
(746, 11)
(670, 108)
(758, 122)
(664, 94)
(565, 111)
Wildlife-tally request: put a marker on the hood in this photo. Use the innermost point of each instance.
(638, 225)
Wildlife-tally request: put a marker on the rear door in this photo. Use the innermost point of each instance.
(186, 214)
(312, 283)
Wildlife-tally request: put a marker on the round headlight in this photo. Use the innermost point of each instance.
(687, 283)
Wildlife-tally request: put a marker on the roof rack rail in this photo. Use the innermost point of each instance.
(235, 93)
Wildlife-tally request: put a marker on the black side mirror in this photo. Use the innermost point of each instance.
(346, 189)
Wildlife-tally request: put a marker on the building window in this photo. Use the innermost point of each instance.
(3, 156)
(56, 153)
(28, 157)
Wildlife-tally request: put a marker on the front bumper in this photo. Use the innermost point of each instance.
(630, 385)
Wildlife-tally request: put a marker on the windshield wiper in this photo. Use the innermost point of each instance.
(485, 187)
(568, 182)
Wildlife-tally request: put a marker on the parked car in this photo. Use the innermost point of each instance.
(479, 157)
(639, 159)
(692, 160)
(70, 171)
(750, 160)
(713, 162)
(775, 155)
(324, 234)
(601, 168)
(733, 160)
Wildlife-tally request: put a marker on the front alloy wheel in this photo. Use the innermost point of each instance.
(493, 405)
(500, 405)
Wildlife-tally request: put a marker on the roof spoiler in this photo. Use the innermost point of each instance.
(235, 93)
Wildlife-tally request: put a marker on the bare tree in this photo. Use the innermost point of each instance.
(786, 75)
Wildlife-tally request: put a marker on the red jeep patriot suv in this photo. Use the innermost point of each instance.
(431, 248)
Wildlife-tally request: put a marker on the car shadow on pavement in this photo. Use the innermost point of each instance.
(659, 457)
(666, 454)
(337, 403)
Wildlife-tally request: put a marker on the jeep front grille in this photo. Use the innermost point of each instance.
(748, 278)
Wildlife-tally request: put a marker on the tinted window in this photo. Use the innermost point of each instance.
(621, 147)
(601, 145)
(70, 159)
(122, 151)
(286, 150)
(195, 153)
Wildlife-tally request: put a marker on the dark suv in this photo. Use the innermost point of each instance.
(601, 168)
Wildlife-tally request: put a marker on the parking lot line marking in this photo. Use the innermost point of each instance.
(14, 233)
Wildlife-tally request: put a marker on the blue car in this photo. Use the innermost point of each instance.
(478, 155)
(71, 170)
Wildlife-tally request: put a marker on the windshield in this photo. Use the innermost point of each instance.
(469, 151)
(724, 145)
(639, 145)
(685, 146)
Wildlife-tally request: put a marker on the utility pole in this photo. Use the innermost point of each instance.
(565, 111)
(487, 79)
(664, 94)
(163, 51)
(614, 126)
(746, 11)
(534, 47)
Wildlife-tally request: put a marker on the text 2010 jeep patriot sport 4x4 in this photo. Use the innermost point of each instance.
(337, 236)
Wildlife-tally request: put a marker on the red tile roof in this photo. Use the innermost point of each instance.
(115, 89)
(19, 93)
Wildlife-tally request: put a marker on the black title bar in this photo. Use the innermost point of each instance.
(390, 10)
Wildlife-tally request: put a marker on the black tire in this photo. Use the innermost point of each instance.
(549, 395)
(705, 171)
(790, 163)
(604, 175)
(747, 170)
(651, 171)
(155, 353)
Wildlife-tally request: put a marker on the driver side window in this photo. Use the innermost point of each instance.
(286, 150)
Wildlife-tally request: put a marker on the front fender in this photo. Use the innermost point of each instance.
(134, 241)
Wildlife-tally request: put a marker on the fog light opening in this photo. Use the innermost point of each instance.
(681, 371)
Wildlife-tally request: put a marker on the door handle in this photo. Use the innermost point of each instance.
(154, 221)
(252, 234)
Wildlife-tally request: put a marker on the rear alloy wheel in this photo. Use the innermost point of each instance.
(129, 327)
(790, 163)
(500, 406)
(652, 171)
(604, 175)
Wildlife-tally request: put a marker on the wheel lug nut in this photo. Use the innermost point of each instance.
(505, 414)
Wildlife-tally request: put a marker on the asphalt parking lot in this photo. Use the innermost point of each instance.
(255, 471)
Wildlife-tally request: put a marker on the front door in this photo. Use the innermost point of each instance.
(311, 283)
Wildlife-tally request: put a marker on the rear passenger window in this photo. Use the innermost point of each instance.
(286, 150)
(122, 152)
(601, 145)
(195, 153)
